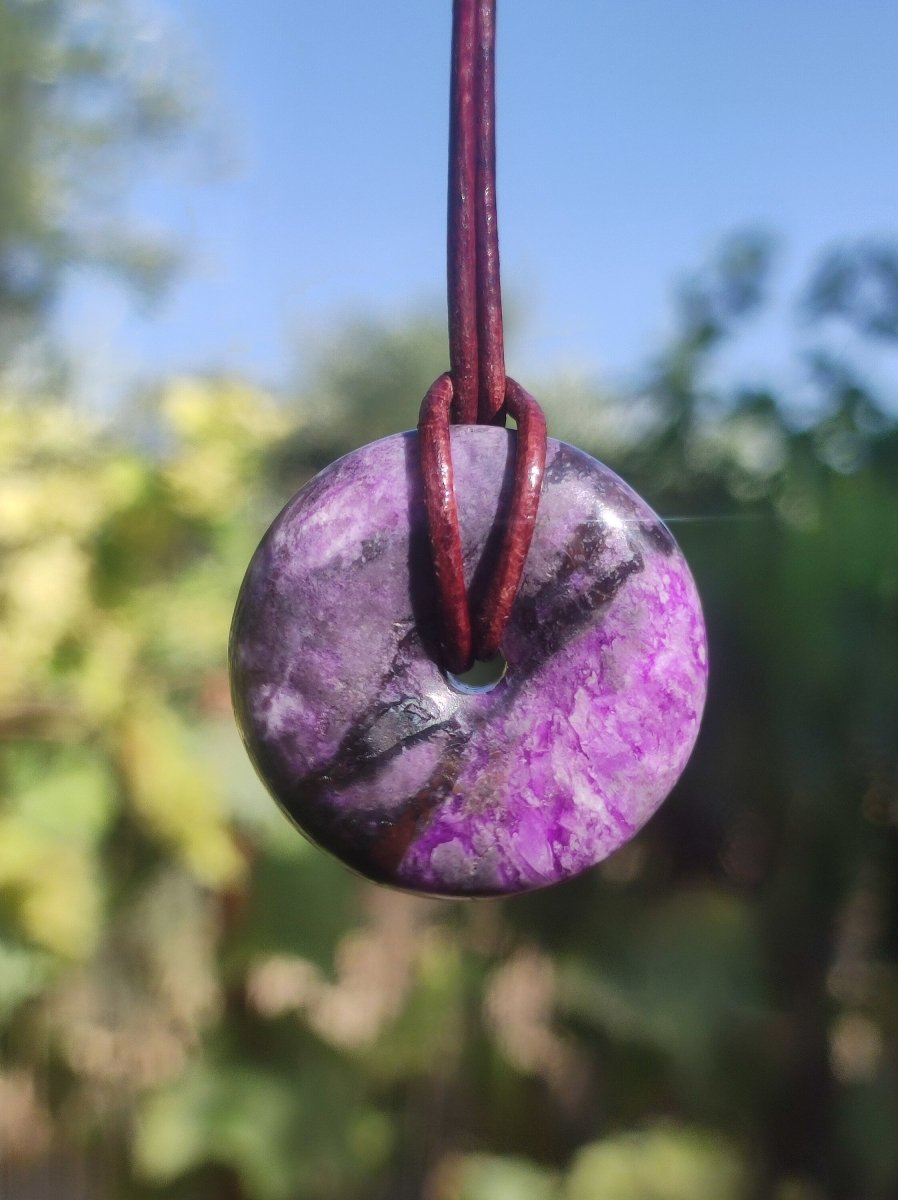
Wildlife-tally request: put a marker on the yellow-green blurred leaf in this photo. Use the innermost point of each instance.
(176, 796)
(53, 888)
(659, 1164)
(490, 1177)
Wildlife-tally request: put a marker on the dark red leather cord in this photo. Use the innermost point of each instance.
(461, 257)
(460, 643)
(476, 340)
(476, 388)
(442, 519)
(491, 344)
(529, 467)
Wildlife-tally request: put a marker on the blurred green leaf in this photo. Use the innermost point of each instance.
(486, 1177)
(24, 973)
(660, 1164)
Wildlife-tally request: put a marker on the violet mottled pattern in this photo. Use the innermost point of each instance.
(371, 750)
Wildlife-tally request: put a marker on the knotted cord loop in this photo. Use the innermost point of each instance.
(461, 639)
(529, 468)
(442, 520)
(476, 388)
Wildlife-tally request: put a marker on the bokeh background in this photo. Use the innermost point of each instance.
(221, 252)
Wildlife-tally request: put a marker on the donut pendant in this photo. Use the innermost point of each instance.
(427, 550)
(379, 756)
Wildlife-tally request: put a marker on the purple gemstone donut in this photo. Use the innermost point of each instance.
(382, 759)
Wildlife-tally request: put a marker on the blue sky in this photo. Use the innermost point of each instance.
(632, 135)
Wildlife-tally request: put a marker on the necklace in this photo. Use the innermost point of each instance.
(400, 565)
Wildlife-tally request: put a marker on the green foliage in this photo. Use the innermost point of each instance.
(486, 1177)
(83, 92)
(191, 991)
(664, 1164)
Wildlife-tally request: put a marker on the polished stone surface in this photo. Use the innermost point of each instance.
(372, 751)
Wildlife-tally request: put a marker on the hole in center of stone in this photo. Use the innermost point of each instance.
(481, 677)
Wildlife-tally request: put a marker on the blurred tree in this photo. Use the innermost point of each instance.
(859, 285)
(82, 92)
(196, 1004)
(366, 381)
